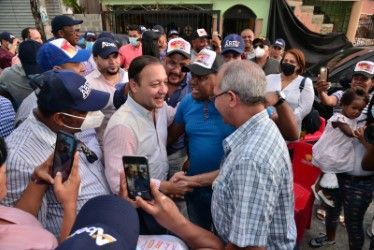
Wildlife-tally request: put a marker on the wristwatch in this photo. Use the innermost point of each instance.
(281, 98)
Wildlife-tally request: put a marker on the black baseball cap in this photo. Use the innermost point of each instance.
(7, 36)
(103, 47)
(61, 21)
(200, 33)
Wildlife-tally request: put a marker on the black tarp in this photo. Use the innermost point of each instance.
(284, 24)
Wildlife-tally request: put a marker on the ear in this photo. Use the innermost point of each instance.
(234, 99)
(58, 119)
(60, 33)
(133, 86)
(56, 67)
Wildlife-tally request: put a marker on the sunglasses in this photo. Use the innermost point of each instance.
(259, 45)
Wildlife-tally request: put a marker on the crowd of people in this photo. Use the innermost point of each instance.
(213, 118)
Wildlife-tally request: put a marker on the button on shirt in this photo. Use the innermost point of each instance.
(132, 131)
(29, 146)
(252, 203)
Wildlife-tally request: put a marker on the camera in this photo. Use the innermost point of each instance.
(369, 134)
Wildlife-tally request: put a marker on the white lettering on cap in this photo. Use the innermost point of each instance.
(85, 89)
(96, 233)
(201, 32)
(232, 44)
(106, 44)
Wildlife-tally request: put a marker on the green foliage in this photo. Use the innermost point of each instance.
(77, 9)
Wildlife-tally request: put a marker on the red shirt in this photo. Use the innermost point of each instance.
(5, 58)
(128, 53)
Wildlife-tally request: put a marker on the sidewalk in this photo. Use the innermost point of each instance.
(341, 235)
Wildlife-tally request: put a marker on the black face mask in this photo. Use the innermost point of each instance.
(287, 69)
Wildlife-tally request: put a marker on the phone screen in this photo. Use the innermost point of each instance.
(137, 177)
(64, 154)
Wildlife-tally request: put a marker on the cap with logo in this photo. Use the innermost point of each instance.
(158, 29)
(365, 68)
(173, 33)
(61, 90)
(205, 62)
(279, 43)
(200, 33)
(61, 21)
(233, 43)
(7, 36)
(179, 45)
(58, 52)
(104, 47)
(27, 52)
(261, 40)
(89, 35)
(104, 222)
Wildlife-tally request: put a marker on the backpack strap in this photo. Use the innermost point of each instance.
(302, 84)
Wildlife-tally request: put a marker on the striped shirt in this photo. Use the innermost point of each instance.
(29, 146)
(252, 203)
(7, 116)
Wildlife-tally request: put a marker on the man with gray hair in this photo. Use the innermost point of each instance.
(252, 203)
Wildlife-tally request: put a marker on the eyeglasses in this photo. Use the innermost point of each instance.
(213, 98)
(258, 45)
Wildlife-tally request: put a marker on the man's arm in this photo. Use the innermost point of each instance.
(202, 180)
(167, 215)
(174, 132)
(322, 88)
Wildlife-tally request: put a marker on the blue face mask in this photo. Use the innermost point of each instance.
(89, 45)
(133, 41)
(81, 41)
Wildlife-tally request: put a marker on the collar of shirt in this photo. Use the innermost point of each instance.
(98, 76)
(240, 133)
(139, 108)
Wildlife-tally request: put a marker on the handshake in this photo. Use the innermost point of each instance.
(180, 184)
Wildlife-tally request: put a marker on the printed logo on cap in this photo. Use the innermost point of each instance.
(179, 44)
(65, 46)
(365, 66)
(232, 44)
(85, 89)
(107, 44)
(97, 233)
(205, 58)
(201, 32)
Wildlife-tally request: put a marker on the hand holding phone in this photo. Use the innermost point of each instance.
(323, 74)
(65, 148)
(137, 176)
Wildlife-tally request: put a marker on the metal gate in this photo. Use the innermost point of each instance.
(183, 20)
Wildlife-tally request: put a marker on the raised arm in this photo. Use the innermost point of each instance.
(322, 88)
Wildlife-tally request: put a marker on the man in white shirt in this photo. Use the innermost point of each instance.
(107, 75)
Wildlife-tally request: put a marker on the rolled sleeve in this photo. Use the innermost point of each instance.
(118, 141)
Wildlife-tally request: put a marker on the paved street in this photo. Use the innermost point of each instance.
(342, 240)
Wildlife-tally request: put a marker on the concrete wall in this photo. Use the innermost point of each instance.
(368, 7)
(91, 22)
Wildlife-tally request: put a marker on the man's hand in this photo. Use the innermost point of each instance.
(42, 174)
(322, 86)
(177, 176)
(271, 98)
(163, 209)
(67, 192)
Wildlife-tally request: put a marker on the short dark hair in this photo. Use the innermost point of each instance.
(134, 27)
(138, 64)
(25, 33)
(351, 94)
(3, 151)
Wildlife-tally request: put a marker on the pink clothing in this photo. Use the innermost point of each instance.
(128, 53)
(24, 232)
(15, 60)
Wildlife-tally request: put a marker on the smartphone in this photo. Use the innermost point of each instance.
(63, 158)
(323, 74)
(137, 176)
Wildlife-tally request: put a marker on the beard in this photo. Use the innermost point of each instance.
(112, 71)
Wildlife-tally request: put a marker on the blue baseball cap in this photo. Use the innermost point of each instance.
(279, 43)
(233, 43)
(104, 46)
(61, 90)
(58, 52)
(7, 36)
(104, 222)
(61, 21)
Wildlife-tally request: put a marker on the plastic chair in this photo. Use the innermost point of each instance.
(305, 175)
(312, 138)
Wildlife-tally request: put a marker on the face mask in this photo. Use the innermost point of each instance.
(93, 119)
(133, 41)
(287, 69)
(89, 45)
(259, 52)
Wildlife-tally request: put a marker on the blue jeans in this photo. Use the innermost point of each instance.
(198, 207)
(355, 195)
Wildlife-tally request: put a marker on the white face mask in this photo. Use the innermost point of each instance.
(259, 52)
(133, 41)
(93, 119)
